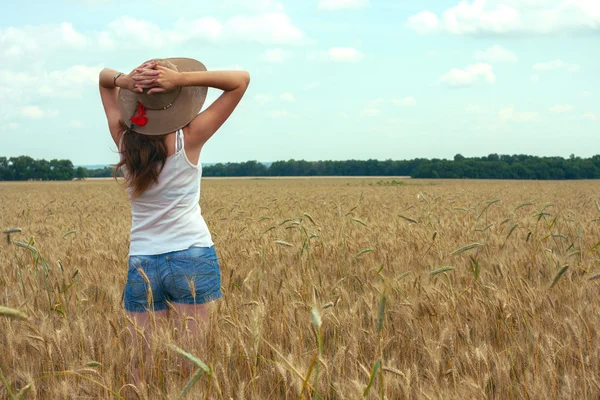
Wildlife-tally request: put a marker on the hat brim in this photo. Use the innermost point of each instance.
(184, 109)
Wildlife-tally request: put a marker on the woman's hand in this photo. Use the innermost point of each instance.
(143, 77)
(165, 79)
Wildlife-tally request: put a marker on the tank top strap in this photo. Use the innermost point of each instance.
(179, 141)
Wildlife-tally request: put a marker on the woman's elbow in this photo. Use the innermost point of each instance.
(245, 78)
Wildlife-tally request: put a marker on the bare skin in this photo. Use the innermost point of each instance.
(151, 75)
(189, 319)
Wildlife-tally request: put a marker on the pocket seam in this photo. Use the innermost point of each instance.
(192, 258)
(212, 273)
(188, 290)
(138, 296)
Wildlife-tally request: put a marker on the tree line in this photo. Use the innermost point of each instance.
(493, 166)
(24, 168)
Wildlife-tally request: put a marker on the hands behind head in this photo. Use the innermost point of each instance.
(143, 76)
(155, 77)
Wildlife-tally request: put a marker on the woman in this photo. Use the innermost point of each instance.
(153, 118)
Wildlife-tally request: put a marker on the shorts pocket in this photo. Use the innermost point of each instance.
(136, 288)
(194, 276)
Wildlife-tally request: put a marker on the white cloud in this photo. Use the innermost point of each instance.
(32, 112)
(263, 98)
(534, 78)
(282, 114)
(345, 54)
(342, 4)
(590, 115)
(272, 28)
(375, 103)
(508, 114)
(76, 75)
(471, 108)
(287, 97)
(562, 108)
(336, 54)
(128, 32)
(469, 76)
(370, 112)
(31, 40)
(496, 53)
(410, 101)
(312, 85)
(14, 79)
(556, 65)
(406, 102)
(424, 22)
(269, 28)
(13, 125)
(276, 56)
(509, 17)
(67, 83)
(251, 5)
(586, 93)
(35, 112)
(76, 124)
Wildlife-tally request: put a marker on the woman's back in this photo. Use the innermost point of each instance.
(167, 216)
(173, 268)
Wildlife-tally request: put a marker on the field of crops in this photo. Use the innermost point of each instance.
(333, 289)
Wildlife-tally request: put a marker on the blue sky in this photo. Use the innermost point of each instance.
(331, 79)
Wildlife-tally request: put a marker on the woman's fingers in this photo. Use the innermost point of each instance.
(146, 72)
(144, 81)
(146, 76)
(149, 64)
(144, 87)
(147, 82)
(156, 90)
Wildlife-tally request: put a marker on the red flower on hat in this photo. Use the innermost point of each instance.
(140, 119)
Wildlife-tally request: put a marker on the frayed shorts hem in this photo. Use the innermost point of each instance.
(163, 305)
(155, 282)
(200, 300)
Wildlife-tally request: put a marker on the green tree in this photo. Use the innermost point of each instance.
(81, 173)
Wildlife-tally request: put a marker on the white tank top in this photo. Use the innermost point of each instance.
(167, 216)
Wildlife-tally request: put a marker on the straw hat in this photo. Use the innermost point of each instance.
(168, 111)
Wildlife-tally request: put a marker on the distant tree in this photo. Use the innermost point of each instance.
(23, 167)
(493, 166)
(62, 170)
(42, 170)
(5, 170)
(105, 172)
(81, 173)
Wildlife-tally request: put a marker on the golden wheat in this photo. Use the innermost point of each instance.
(333, 289)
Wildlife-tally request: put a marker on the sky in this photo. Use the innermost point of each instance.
(330, 79)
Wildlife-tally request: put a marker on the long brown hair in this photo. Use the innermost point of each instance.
(144, 156)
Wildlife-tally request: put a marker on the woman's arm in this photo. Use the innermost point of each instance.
(168, 79)
(109, 92)
(208, 122)
(233, 84)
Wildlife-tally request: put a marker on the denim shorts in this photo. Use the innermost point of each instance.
(189, 276)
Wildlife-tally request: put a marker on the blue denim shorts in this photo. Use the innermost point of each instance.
(189, 276)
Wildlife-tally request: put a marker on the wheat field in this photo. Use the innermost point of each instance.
(332, 289)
